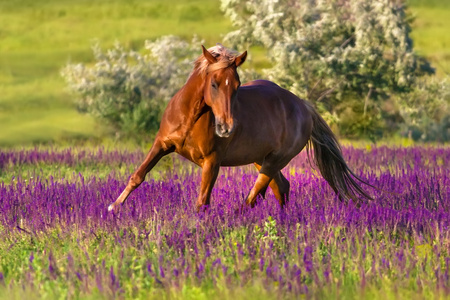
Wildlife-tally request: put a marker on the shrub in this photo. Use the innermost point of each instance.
(425, 111)
(130, 90)
(347, 57)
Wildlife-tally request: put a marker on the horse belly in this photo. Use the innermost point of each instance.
(239, 160)
(232, 160)
(246, 150)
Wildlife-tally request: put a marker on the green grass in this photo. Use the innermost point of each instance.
(11, 172)
(431, 33)
(38, 37)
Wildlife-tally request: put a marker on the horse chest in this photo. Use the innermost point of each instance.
(198, 143)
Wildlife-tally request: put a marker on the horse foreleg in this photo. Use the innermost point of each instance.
(154, 155)
(279, 185)
(210, 170)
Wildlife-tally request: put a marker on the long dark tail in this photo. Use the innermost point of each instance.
(328, 158)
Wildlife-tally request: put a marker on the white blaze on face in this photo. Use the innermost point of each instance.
(226, 82)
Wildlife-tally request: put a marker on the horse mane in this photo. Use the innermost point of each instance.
(225, 58)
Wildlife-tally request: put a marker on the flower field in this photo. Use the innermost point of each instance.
(57, 239)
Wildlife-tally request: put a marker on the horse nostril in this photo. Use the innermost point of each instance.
(224, 129)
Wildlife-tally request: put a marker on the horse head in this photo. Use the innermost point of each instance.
(221, 85)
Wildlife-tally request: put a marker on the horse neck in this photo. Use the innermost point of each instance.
(190, 97)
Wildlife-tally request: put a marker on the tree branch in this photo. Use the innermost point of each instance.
(366, 101)
(329, 91)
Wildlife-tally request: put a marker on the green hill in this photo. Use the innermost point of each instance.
(38, 37)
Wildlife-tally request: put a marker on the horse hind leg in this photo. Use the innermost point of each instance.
(262, 193)
(267, 171)
(260, 186)
(279, 185)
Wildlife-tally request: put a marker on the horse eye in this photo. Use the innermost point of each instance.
(214, 85)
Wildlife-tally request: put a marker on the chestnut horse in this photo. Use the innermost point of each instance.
(214, 121)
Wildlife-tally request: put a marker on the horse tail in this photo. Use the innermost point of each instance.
(328, 158)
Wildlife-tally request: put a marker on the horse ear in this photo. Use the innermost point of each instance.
(241, 59)
(209, 57)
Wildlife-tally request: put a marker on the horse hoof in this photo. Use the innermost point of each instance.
(201, 208)
(242, 209)
(111, 207)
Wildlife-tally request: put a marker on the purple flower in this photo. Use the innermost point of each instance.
(78, 276)
(162, 212)
(216, 262)
(261, 264)
(112, 276)
(161, 272)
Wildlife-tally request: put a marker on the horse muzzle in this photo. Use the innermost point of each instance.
(224, 130)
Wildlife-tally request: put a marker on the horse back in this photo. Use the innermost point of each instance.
(269, 102)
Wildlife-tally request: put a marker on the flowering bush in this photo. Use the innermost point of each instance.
(354, 59)
(130, 90)
(350, 58)
(425, 111)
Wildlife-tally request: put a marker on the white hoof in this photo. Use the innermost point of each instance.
(111, 207)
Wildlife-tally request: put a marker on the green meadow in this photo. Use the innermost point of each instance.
(430, 33)
(38, 37)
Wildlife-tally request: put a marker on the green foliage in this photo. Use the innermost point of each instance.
(269, 232)
(350, 58)
(425, 111)
(130, 90)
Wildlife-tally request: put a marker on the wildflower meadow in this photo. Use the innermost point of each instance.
(58, 240)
